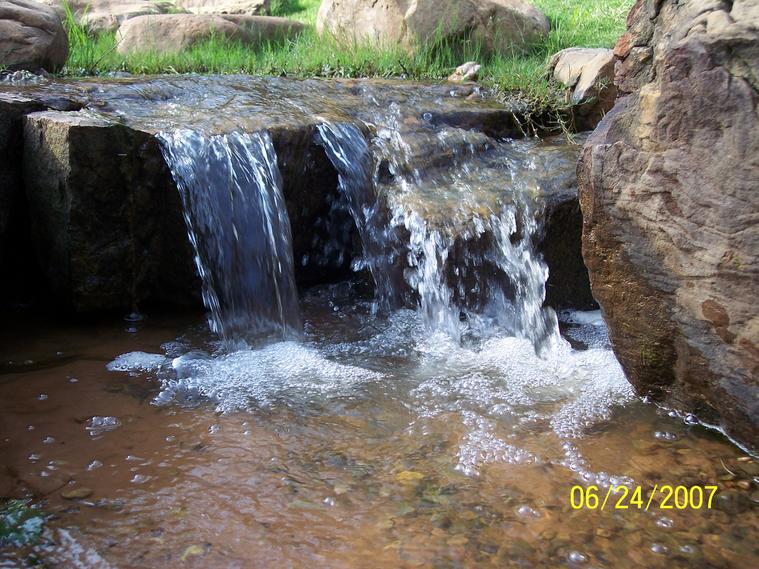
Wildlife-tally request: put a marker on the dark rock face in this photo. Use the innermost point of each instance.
(105, 214)
(668, 189)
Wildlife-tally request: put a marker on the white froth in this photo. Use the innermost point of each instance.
(260, 376)
(136, 362)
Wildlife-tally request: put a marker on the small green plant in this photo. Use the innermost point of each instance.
(20, 523)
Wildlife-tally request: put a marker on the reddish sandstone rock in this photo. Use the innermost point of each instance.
(669, 192)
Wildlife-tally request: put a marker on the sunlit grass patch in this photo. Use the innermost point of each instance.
(586, 23)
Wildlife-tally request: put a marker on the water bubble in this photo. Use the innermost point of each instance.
(34, 457)
(576, 557)
(95, 464)
(139, 479)
(42, 396)
(665, 522)
(99, 425)
(526, 511)
(665, 436)
(687, 549)
(691, 419)
(213, 429)
(73, 380)
(427, 117)
(659, 548)
(48, 440)
(30, 427)
(133, 317)
(170, 439)
(329, 501)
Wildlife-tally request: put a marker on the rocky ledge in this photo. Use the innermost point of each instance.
(97, 209)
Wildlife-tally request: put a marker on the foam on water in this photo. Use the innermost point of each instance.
(252, 378)
(136, 362)
(506, 397)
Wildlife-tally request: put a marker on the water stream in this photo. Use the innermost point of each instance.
(237, 224)
(438, 421)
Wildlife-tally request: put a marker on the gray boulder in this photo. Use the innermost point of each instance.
(502, 26)
(31, 36)
(175, 32)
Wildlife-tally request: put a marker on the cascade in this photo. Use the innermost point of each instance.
(237, 224)
(459, 232)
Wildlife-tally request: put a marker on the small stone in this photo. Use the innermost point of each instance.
(409, 477)
(603, 532)
(77, 493)
(192, 551)
(470, 71)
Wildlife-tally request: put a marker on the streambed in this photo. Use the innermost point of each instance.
(369, 444)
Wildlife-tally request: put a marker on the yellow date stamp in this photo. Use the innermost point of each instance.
(664, 497)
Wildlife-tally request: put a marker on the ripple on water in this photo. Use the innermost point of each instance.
(499, 388)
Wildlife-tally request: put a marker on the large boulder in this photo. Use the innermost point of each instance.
(588, 75)
(107, 15)
(502, 26)
(669, 192)
(241, 7)
(31, 36)
(175, 32)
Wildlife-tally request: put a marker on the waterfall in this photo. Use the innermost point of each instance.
(458, 232)
(347, 149)
(237, 224)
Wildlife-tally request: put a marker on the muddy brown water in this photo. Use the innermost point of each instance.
(380, 462)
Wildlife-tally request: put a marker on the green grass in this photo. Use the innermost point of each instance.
(586, 23)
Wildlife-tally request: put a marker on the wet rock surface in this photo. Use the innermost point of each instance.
(106, 222)
(668, 192)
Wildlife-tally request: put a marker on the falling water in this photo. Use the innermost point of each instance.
(237, 223)
(447, 214)
(349, 152)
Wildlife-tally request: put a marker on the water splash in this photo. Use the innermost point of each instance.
(238, 226)
(449, 223)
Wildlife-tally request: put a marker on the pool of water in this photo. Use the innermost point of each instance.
(370, 442)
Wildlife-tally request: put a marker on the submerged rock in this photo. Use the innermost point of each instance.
(31, 36)
(175, 32)
(668, 187)
(501, 26)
